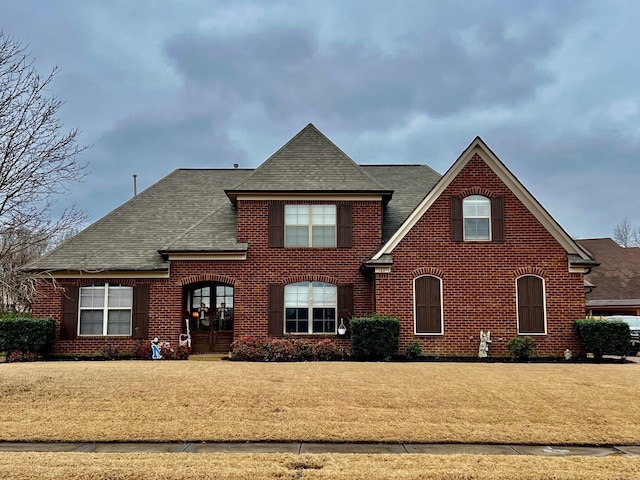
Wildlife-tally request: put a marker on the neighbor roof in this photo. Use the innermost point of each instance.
(309, 162)
(617, 279)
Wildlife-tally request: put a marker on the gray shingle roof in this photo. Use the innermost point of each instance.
(189, 211)
(618, 276)
(129, 237)
(309, 162)
(410, 184)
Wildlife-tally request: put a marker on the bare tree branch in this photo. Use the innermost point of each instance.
(38, 162)
(626, 235)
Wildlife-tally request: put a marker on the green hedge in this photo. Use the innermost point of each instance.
(604, 337)
(26, 334)
(375, 337)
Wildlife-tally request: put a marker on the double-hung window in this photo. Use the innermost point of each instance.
(310, 225)
(477, 218)
(310, 307)
(105, 309)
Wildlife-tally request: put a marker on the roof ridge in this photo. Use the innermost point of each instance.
(309, 127)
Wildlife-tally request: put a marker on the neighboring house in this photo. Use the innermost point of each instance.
(310, 239)
(615, 285)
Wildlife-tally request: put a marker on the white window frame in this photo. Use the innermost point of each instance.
(476, 199)
(310, 306)
(105, 310)
(310, 225)
(415, 313)
(544, 306)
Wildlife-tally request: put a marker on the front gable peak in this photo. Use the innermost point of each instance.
(309, 163)
(578, 257)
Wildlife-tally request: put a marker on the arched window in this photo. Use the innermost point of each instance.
(477, 218)
(310, 307)
(428, 305)
(531, 305)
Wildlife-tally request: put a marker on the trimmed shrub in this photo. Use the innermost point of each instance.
(521, 348)
(326, 350)
(280, 350)
(604, 337)
(375, 338)
(29, 335)
(248, 348)
(255, 349)
(413, 351)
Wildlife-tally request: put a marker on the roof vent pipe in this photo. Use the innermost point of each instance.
(235, 165)
(135, 185)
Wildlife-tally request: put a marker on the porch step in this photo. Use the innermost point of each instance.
(207, 357)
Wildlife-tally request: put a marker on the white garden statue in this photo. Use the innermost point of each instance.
(485, 340)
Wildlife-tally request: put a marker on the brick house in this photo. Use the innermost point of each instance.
(614, 287)
(309, 239)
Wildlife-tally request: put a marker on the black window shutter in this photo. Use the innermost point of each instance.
(456, 219)
(140, 326)
(345, 306)
(530, 305)
(345, 228)
(276, 310)
(69, 322)
(428, 305)
(497, 219)
(276, 226)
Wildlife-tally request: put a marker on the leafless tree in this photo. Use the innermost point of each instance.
(38, 162)
(626, 235)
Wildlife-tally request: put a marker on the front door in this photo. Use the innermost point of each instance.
(210, 308)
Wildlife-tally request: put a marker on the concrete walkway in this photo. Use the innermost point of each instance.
(298, 448)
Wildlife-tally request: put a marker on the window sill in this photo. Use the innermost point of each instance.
(103, 336)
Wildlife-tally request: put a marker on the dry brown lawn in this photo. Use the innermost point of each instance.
(336, 401)
(74, 466)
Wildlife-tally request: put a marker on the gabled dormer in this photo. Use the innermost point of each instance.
(310, 186)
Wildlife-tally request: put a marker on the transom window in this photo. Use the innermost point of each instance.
(105, 310)
(477, 217)
(310, 225)
(310, 307)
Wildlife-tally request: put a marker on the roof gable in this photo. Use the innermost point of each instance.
(310, 163)
(577, 254)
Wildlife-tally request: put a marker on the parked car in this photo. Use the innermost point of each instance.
(634, 328)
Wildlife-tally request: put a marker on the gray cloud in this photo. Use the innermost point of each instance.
(551, 86)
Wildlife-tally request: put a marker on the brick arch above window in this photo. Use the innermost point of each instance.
(207, 277)
(538, 272)
(435, 272)
(485, 192)
(86, 282)
(310, 278)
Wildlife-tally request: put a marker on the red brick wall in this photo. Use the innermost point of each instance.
(250, 278)
(478, 279)
(164, 314)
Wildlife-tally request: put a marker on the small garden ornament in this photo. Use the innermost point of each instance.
(485, 340)
(155, 349)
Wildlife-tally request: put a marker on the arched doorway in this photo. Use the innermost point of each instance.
(209, 307)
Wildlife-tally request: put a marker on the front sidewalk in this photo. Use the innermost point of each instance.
(317, 448)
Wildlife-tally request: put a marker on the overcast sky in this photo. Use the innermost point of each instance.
(553, 87)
